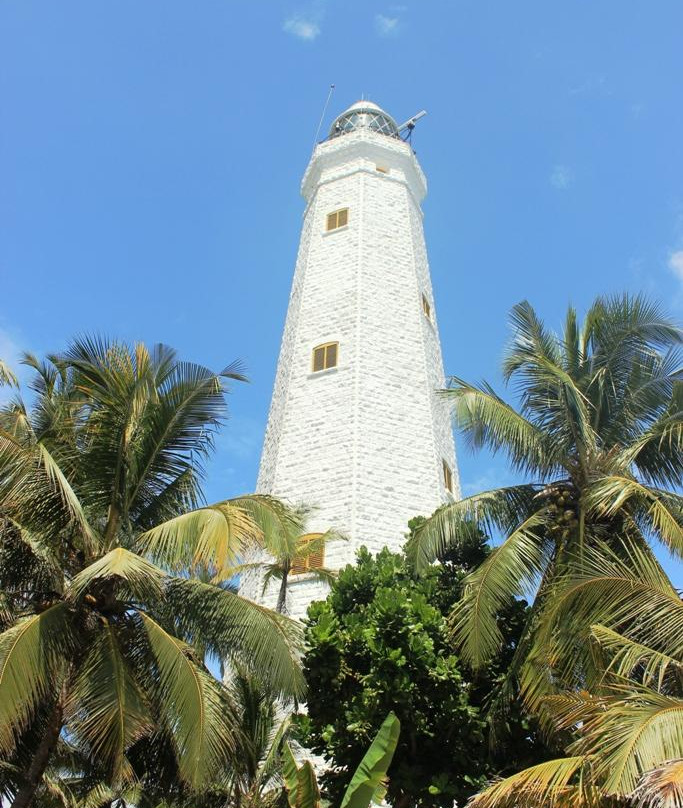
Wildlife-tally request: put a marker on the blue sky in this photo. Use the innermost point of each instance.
(151, 154)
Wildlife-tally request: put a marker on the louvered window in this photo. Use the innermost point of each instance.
(325, 356)
(308, 561)
(337, 219)
(447, 476)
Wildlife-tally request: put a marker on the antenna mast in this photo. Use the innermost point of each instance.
(322, 117)
(406, 128)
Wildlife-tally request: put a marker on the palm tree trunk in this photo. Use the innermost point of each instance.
(39, 761)
(113, 518)
(281, 607)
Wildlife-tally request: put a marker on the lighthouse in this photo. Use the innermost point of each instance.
(356, 430)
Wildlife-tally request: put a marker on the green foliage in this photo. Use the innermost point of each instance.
(598, 431)
(301, 784)
(625, 737)
(369, 781)
(379, 643)
(103, 624)
(368, 784)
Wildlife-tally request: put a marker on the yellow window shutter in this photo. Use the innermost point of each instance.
(307, 561)
(331, 355)
(319, 358)
(447, 476)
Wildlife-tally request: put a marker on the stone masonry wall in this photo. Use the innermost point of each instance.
(362, 443)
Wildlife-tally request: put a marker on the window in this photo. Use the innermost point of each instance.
(307, 561)
(447, 476)
(426, 308)
(325, 356)
(339, 218)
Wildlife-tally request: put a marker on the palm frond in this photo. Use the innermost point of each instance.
(658, 451)
(71, 501)
(6, 375)
(28, 564)
(572, 349)
(270, 763)
(212, 537)
(560, 783)
(661, 788)
(549, 393)
(106, 707)
(235, 371)
(232, 627)
(662, 510)
(280, 525)
(628, 593)
(141, 579)
(632, 321)
(628, 658)
(510, 570)
(531, 341)
(636, 731)
(316, 542)
(35, 490)
(487, 420)
(31, 664)
(150, 420)
(179, 425)
(500, 509)
(192, 707)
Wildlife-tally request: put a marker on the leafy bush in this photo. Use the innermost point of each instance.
(379, 643)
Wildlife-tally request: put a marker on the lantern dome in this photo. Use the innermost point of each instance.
(364, 115)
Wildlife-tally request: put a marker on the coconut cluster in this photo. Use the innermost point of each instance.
(562, 509)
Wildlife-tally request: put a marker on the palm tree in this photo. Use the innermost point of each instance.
(251, 780)
(101, 528)
(627, 728)
(599, 434)
(254, 779)
(291, 551)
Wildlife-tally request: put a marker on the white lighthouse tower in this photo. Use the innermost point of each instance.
(356, 429)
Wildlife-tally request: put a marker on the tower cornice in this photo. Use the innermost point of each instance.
(363, 150)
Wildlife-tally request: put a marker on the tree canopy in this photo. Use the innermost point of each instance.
(599, 435)
(380, 642)
(101, 529)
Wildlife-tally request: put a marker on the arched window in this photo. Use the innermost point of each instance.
(325, 356)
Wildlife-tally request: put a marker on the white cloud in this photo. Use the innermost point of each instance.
(561, 177)
(302, 27)
(676, 264)
(386, 26)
